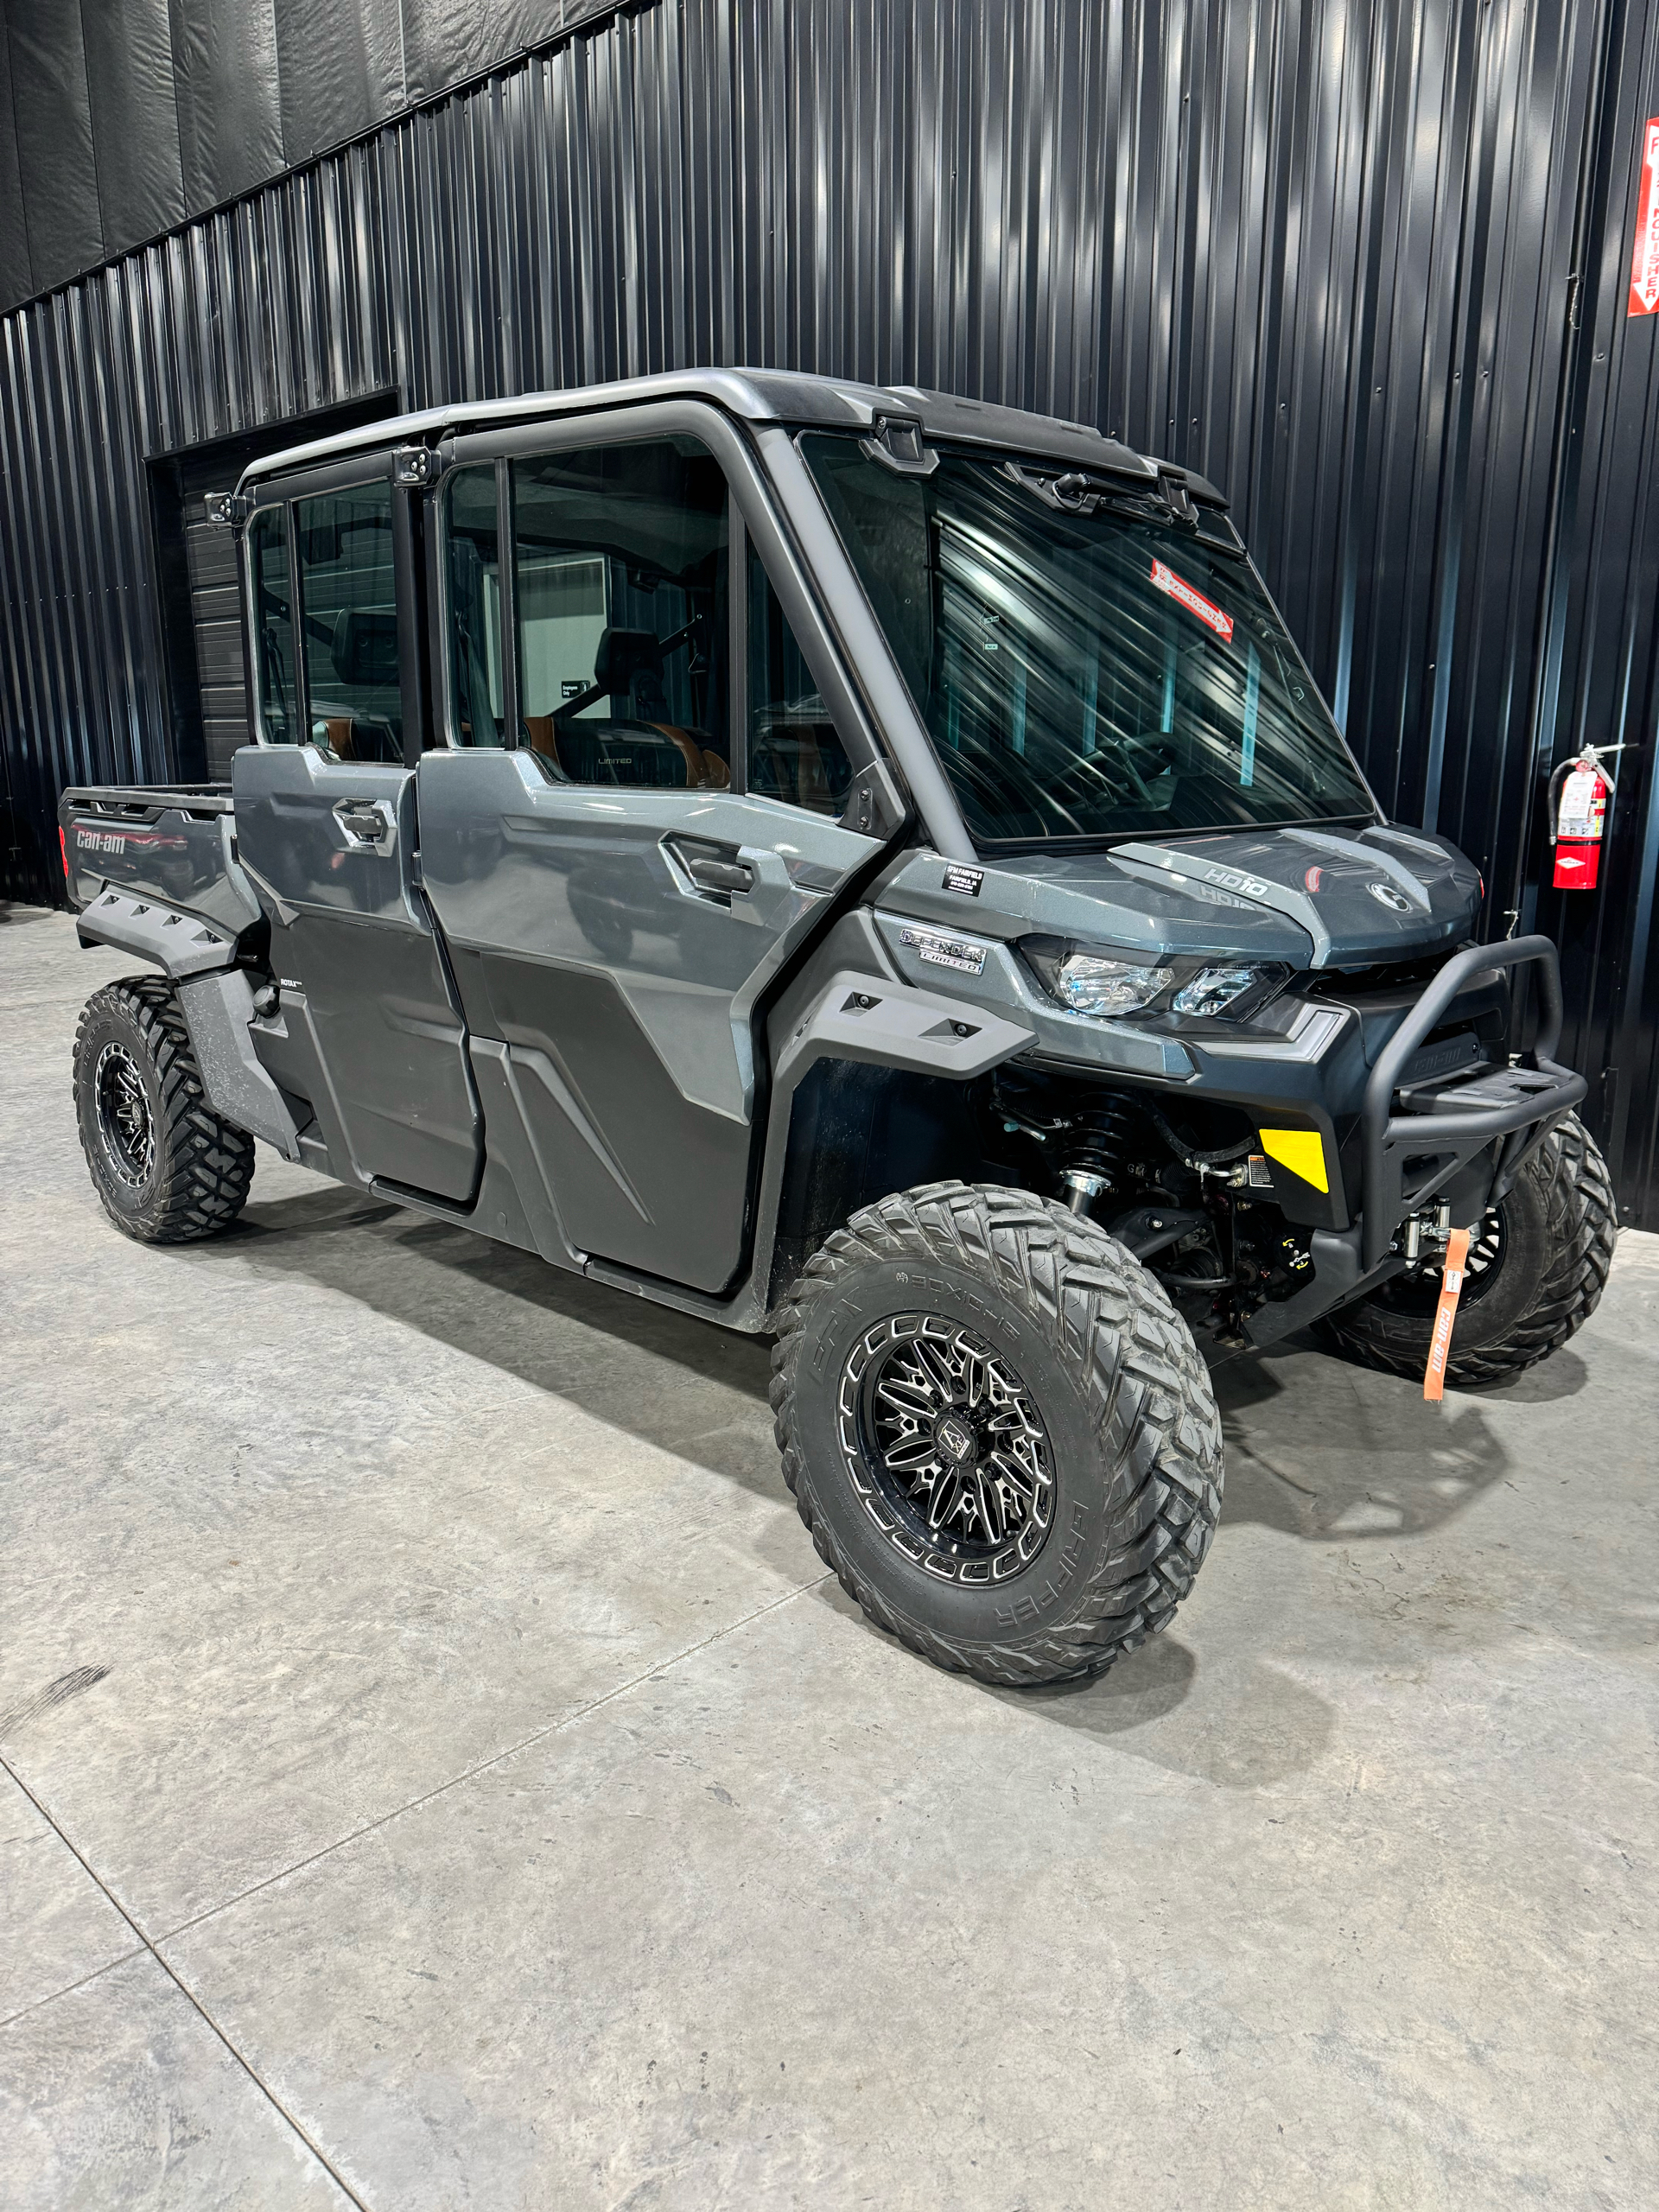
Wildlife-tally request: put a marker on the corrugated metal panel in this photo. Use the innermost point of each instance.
(52, 122)
(229, 98)
(135, 120)
(120, 118)
(1321, 249)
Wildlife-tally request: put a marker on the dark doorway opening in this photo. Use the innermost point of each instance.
(202, 641)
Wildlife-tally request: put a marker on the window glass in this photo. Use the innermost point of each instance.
(1088, 663)
(349, 599)
(479, 711)
(273, 626)
(794, 754)
(619, 572)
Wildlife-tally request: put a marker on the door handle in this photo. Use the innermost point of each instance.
(365, 820)
(720, 875)
(713, 868)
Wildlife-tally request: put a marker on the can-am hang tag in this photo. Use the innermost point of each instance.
(1165, 579)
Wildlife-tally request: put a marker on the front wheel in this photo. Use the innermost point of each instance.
(1538, 1264)
(999, 1432)
(166, 1167)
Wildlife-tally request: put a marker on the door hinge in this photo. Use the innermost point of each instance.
(896, 442)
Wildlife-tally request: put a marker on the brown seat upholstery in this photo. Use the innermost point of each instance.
(691, 752)
(543, 739)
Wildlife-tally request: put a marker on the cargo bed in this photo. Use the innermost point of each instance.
(173, 844)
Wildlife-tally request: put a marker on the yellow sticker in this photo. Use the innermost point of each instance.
(1301, 1151)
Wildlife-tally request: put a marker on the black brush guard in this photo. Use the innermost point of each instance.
(1440, 1129)
(1444, 1126)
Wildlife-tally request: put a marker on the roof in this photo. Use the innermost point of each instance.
(761, 396)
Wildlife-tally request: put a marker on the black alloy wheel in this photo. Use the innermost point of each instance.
(946, 1448)
(125, 1125)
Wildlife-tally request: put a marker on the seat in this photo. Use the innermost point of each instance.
(800, 760)
(544, 738)
(629, 665)
(365, 647)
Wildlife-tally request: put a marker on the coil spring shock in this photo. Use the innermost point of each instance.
(1098, 1152)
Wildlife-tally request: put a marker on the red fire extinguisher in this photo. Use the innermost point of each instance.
(1579, 791)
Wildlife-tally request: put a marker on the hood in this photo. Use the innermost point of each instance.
(1313, 897)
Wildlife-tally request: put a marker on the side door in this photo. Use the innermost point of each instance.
(637, 818)
(326, 828)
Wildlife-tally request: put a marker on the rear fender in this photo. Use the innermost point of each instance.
(214, 996)
(179, 943)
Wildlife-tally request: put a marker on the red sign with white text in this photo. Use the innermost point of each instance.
(1644, 268)
(1164, 578)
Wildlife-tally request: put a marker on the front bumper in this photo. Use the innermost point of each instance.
(1410, 1155)
(1416, 1142)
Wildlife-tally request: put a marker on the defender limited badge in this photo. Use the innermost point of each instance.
(1386, 895)
(945, 951)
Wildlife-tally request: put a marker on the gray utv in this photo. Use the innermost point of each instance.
(861, 866)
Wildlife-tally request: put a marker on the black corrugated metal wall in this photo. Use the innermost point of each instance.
(1363, 262)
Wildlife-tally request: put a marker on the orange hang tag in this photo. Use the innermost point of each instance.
(1456, 1259)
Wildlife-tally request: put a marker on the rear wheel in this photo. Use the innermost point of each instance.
(998, 1430)
(1538, 1264)
(166, 1167)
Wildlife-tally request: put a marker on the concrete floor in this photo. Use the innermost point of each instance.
(438, 1773)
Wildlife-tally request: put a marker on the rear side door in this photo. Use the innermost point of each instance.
(326, 828)
(637, 818)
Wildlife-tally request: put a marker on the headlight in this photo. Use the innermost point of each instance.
(1090, 982)
(1111, 984)
(1212, 988)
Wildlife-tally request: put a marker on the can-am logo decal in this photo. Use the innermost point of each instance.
(125, 841)
(1386, 895)
(1165, 579)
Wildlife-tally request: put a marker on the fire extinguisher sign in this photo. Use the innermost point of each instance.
(1644, 268)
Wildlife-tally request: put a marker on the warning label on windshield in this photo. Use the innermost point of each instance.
(1165, 579)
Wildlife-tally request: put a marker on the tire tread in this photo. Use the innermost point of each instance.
(1112, 1318)
(208, 1161)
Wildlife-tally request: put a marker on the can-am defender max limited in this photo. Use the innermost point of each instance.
(863, 866)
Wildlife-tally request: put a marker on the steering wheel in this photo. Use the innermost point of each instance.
(1119, 765)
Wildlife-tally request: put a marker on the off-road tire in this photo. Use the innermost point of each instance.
(1134, 1438)
(1560, 1223)
(195, 1180)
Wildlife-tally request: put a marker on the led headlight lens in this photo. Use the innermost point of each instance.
(1212, 988)
(1089, 983)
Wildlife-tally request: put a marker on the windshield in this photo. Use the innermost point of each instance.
(1088, 665)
